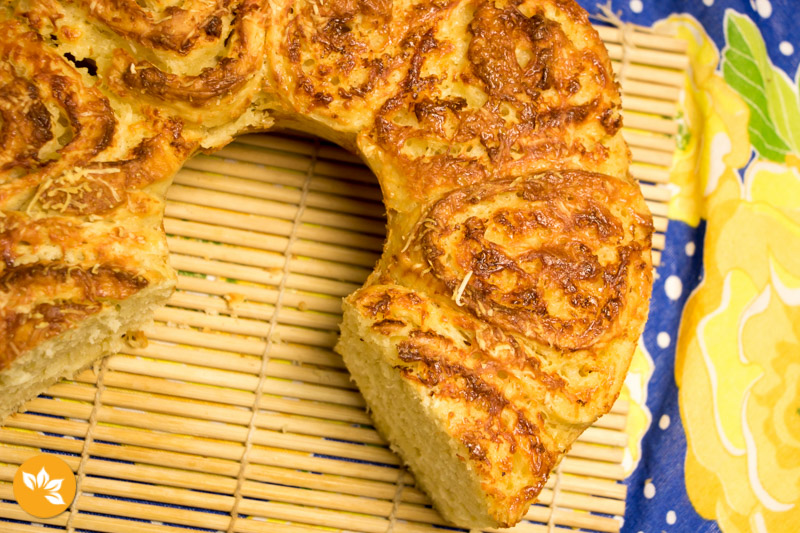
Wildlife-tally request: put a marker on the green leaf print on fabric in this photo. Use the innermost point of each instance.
(772, 98)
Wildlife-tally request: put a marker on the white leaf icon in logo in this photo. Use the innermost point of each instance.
(42, 481)
(41, 478)
(54, 485)
(29, 480)
(55, 498)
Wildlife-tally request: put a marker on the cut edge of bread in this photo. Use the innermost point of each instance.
(402, 414)
(70, 352)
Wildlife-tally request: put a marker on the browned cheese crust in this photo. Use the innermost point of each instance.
(518, 303)
(516, 275)
(81, 200)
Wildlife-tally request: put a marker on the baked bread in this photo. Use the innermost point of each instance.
(500, 320)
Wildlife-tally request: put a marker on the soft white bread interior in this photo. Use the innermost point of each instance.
(62, 356)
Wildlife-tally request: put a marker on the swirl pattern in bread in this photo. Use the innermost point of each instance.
(514, 283)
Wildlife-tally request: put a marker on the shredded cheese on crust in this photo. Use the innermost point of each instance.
(460, 290)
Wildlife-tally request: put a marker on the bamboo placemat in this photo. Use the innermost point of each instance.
(201, 430)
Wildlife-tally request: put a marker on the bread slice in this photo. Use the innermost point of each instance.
(62, 356)
(82, 187)
(85, 164)
(501, 332)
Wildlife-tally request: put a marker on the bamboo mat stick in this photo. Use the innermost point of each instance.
(658, 142)
(660, 224)
(218, 305)
(231, 365)
(537, 513)
(260, 156)
(219, 502)
(221, 378)
(651, 90)
(227, 396)
(656, 258)
(172, 515)
(274, 174)
(612, 421)
(88, 522)
(280, 176)
(657, 208)
(319, 268)
(674, 78)
(261, 525)
(653, 192)
(652, 157)
(620, 406)
(260, 275)
(320, 517)
(272, 243)
(16, 527)
(314, 233)
(650, 106)
(282, 386)
(225, 378)
(646, 172)
(276, 193)
(655, 92)
(259, 206)
(649, 56)
(247, 293)
(285, 143)
(274, 422)
(334, 483)
(590, 485)
(243, 345)
(246, 326)
(652, 123)
(583, 502)
(642, 39)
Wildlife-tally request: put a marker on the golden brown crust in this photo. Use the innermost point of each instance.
(176, 28)
(225, 88)
(70, 294)
(47, 79)
(101, 187)
(26, 122)
(554, 257)
(526, 96)
(80, 214)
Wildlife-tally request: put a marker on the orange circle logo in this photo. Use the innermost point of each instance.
(44, 486)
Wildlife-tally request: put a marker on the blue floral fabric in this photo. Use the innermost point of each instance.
(720, 449)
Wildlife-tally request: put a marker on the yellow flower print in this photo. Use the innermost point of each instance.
(639, 416)
(737, 365)
(717, 118)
